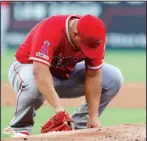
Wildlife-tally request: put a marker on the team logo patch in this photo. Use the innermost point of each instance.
(44, 50)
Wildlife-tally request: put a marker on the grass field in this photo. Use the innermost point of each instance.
(133, 67)
(116, 116)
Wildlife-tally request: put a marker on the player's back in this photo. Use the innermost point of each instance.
(23, 52)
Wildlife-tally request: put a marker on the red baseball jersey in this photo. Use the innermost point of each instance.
(49, 43)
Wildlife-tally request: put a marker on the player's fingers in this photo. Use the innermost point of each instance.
(72, 125)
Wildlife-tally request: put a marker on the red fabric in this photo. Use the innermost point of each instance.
(48, 43)
(93, 38)
(26, 133)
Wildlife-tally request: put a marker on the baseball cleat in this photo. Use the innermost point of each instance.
(10, 131)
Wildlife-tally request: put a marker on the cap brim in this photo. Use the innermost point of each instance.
(92, 53)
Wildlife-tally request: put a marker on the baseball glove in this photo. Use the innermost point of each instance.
(61, 121)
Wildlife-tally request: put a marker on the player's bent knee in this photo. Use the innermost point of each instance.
(112, 88)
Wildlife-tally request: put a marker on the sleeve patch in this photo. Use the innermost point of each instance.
(44, 50)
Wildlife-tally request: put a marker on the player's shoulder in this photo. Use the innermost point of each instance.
(53, 22)
(58, 19)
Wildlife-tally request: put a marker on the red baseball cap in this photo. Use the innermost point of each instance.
(92, 34)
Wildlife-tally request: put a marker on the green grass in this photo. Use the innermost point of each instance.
(131, 63)
(111, 116)
(6, 60)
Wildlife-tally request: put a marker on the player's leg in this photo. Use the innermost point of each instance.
(29, 98)
(111, 84)
(73, 87)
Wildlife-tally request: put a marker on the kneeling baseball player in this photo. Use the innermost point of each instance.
(62, 57)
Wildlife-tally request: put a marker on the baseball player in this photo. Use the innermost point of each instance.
(62, 57)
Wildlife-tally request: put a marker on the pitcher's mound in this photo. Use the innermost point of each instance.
(127, 132)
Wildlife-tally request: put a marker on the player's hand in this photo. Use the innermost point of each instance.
(93, 122)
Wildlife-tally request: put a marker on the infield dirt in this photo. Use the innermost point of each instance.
(130, 96)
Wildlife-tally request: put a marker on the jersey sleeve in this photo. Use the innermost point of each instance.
(44, 42)
(96, 64)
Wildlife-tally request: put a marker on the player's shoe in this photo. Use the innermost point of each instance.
(10, 131)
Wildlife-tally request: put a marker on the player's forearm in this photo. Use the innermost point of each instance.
(93, 87)
(44, 83)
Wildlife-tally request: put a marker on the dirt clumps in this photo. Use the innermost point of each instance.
(126, 132)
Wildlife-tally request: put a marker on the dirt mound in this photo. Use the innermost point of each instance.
(127, 132)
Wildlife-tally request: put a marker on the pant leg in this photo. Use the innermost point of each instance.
(73, 87)
(29, 98)
(112, 80)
